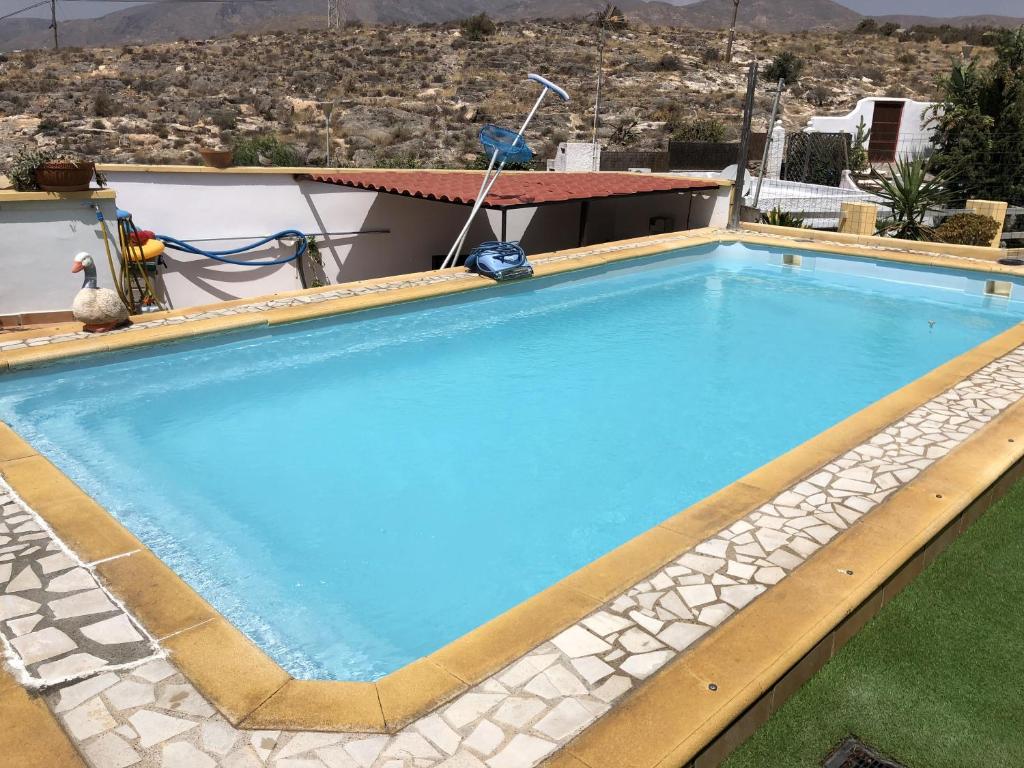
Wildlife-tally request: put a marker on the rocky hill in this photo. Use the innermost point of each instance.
(771, 15)
(981, 20)
(181, 20)
(418, 94)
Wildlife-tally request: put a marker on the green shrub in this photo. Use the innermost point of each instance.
(785, 66)
(481, 160)
(103, 105)
(225, 119)
(703, 129)
(22, 169)
(399, 160)
(668, 63)
(265, 150)
(477, 28)
(780, 218)
(967, 229)
(711, 55)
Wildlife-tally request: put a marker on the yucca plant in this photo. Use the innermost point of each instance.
(911, 191)
(780, 218)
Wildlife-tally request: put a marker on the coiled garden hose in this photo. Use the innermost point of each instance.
(301, 244)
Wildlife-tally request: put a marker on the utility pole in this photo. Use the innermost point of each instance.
(328, 111)
(768, 139)
(333, 15)
(597, 101)
(53, 23)
(610, 15)
(741, 161)
(328, 108)
(732, 31)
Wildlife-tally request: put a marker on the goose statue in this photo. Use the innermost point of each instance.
(98, 309)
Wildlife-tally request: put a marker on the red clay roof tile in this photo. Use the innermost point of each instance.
(513, 188)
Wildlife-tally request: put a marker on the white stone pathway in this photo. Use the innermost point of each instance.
(57, 621)
(150, 715)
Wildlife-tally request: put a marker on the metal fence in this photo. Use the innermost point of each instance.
(822, 171)
(709, 155)
(657, 161)
(816, 158)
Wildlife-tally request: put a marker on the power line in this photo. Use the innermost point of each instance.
(53, 8)
(26, 8)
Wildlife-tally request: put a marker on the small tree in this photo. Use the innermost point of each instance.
(979, 133)
(611, 17)
(477, 28)
(626, 130)
(858, 147)
(785, 66)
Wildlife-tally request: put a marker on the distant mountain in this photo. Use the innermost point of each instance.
(164, 22)
(983, 20)
(771, 15)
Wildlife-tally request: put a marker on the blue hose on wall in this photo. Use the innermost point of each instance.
(300, 248)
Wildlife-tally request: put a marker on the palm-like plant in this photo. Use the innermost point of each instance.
(780, 218)
(911, 191)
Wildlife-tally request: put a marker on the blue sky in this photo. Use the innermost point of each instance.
(75, 10)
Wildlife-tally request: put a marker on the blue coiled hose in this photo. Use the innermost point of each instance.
(300, 248)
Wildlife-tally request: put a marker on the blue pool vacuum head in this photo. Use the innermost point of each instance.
(499, 261)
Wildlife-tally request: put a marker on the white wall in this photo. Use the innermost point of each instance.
(710, 208)
(39, 240)
(391, 234)
(577, 156)
(913, 135)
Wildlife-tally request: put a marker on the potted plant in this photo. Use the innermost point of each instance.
(217, 157)
(52, 171)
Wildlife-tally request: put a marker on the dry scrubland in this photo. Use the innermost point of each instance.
(418, 94)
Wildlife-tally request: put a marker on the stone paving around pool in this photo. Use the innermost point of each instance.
(130, 706)
(56, 619)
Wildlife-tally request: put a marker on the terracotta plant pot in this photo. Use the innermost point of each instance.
(65, 176)
(217, 158)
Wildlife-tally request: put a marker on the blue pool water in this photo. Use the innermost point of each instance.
(354, 494)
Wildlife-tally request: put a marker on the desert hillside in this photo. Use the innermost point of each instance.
(165, 22)
(418, 94)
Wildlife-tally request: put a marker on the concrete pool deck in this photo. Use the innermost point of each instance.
(692, 632)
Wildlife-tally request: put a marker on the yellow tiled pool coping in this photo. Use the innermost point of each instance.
(745, 657)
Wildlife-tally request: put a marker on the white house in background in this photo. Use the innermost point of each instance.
(898, 126)
(576, 156)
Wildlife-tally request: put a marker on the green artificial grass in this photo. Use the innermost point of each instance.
(936, 680)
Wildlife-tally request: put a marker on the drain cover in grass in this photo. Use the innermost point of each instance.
(855, 754)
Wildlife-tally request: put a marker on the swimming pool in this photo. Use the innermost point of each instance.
(355, 493)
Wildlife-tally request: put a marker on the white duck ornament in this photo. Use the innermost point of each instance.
(99, 309)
